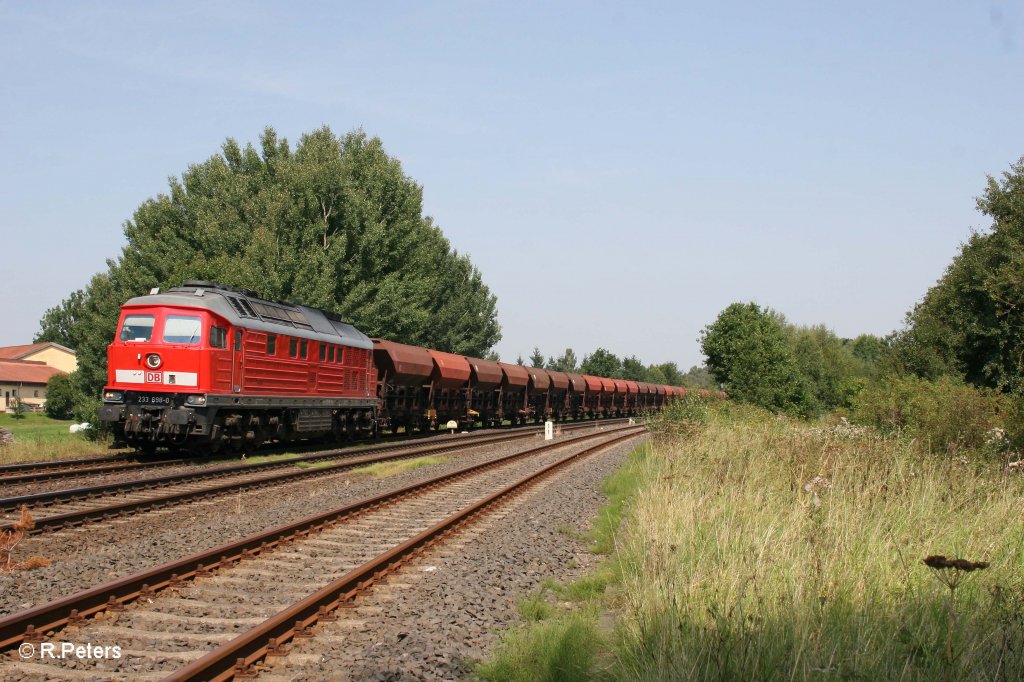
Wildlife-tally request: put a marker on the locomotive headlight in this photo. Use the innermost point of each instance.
(113, 396)
(153, 361)
(197, 400)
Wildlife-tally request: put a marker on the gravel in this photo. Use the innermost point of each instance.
(445, 611)
(96, 553)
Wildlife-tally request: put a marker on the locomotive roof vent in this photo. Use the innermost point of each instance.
(207, 284)
(242, 307)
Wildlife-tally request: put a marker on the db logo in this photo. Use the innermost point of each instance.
(154, 377)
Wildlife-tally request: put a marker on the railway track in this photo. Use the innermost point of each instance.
(219, 613)
(36, 472)
(24, 469)
(75, 507)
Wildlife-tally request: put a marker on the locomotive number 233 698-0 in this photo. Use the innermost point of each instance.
(155, 399)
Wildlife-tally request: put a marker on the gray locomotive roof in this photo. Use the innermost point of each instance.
(304, 322)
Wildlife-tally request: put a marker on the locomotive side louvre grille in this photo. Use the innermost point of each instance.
(330, 380)
(281, 315)
(242, 307)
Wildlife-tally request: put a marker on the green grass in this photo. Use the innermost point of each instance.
(617, 489)
(558, 650)
(37, 437)
(385, 469)
(565, 644)
(776, 550)
(535, 608)
(263, 459)
(316, 465)
(759, 548)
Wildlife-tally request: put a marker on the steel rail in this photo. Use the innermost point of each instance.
(78, 468)
(57, 464)
(8, 504)
(87, 492)
(81, 472)
(239, 655)
(29, 625)
(107, 512)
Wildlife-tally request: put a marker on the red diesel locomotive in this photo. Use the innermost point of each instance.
(206, 365)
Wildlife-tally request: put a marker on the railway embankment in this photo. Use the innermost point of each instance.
(758, 547)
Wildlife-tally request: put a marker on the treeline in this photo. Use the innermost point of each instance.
(805, 371)
(954, 373)
(604, 363)
(332, 222)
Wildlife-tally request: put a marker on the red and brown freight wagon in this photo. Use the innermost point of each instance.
(403, 385)
(558, 400)
(577, 397)
(450, 390)
(514, 384)
(485, 378)
(537, 392)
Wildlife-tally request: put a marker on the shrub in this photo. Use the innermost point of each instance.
(945, 414)
(60, 397)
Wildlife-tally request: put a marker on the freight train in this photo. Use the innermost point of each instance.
(209, 366)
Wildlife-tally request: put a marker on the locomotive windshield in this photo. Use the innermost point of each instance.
(183, 329)
(137, 328)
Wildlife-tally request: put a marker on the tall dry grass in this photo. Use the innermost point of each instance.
(759, 548)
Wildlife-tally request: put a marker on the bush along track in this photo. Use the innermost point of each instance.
(758, 547)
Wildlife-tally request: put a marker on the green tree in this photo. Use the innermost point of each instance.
(62, 323)
(699, 377)
(602, 363)
(633, 369)
(870, 350)
(17, 408)
(565, 363)
(827, 366)
(60, 397)
(670, 370)
(536, 358)
(971, 323)
(747, 351)
(334, 224)
(655, 375)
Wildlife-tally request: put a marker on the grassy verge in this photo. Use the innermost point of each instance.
(756, 547)
(37, 438)
(385, 469)
(564, 644)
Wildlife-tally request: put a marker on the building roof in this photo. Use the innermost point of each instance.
(18, 352)
(26, 372)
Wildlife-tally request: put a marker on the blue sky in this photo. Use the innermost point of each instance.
(619, 172)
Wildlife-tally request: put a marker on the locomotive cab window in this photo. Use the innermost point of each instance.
(137, 328)
(218, 337)
(186, 329)
(238, 339)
